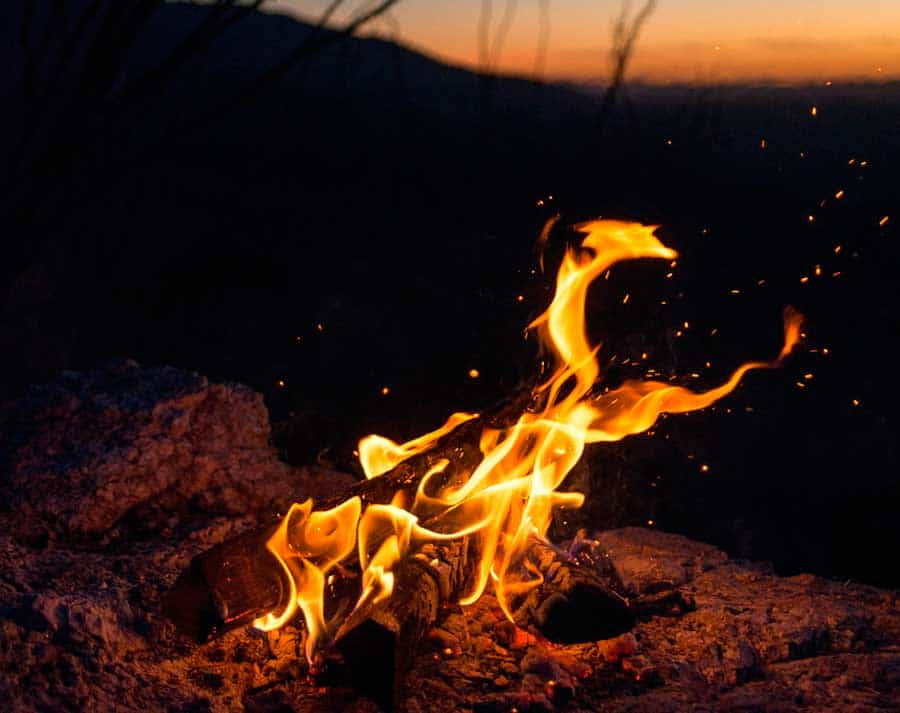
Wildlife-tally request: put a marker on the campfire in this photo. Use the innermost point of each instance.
(141, 500)
(465, 508)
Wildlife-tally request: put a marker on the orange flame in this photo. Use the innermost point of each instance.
(378, 454)
(509, 497)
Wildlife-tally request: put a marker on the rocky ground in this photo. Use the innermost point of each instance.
(111, 481)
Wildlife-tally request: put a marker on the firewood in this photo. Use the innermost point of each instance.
(239, 580)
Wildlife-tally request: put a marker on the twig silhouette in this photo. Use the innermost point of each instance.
(626, 31)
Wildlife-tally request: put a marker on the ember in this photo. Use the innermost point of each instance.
(502, 505)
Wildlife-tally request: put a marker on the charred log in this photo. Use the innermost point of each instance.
(239, 580)
(227, 586)
(233, 583)
(574, 603)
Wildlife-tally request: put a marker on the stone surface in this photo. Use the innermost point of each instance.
(113, 480)
(89, 450)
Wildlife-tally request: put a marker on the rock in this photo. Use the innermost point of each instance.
(87, 450)
(648, 560)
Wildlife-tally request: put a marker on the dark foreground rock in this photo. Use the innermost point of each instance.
(129, 447)
(113, 480)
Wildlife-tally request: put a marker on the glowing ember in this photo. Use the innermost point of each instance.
(508, 499)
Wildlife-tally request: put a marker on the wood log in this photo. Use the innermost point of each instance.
(239, 580)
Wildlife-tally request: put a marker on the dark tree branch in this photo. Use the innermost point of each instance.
(484, 36)
(502, 32)
(543, 41)
(217, 20)
(625, 35)
(69, 124)
(314, 42)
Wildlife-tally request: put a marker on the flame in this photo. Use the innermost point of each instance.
(378, 454)
(508, 499)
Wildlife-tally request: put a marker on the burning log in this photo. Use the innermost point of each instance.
(240, 580)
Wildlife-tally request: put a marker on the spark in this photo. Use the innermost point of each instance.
(474, 373)
(280, 383)
(625, 299)
(520, 298)
(839, 194)
(818, 270)
(814, 111)
(762, 143)
(810, 218)
(855, 402)
(385, 390)
(804, 279)
(837, 249)
(704, 468)
(884, 221)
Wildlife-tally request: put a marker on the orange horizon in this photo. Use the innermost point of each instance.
(691, 41)
(689, 63)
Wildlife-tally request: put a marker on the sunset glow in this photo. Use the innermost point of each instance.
(704, 41)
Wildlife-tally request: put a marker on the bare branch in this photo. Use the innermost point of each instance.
(315, 41)
(484, 35)
(214, 24)
(543, 41)
(503, 28)
(625, 35)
